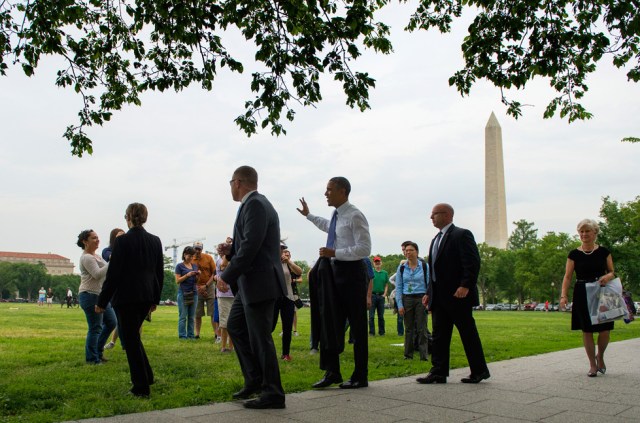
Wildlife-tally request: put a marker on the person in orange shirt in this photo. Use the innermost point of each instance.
(205, 285)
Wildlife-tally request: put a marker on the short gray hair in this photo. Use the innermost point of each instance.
(589, 223)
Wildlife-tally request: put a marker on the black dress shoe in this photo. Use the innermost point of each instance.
(431, 378)
(476, 378)
(246, 392)
(354, 384)
(139, 394)
(329, 379)
(263, 403)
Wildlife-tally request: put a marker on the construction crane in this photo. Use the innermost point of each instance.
(177, 244)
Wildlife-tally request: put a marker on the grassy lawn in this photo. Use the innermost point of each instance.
(43, 376)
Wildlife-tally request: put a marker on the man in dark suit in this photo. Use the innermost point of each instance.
(454, 263)
(255, 275)
(133, 286)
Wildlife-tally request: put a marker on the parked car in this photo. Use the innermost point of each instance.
(490, 307)
(530, 306)
(479, 307)
(637, 303)
(539, 307)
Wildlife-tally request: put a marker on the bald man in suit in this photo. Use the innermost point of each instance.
(454, 263)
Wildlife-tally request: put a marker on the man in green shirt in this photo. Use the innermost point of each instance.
(380, 288)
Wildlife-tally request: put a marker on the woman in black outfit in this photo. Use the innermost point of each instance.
(591, 262)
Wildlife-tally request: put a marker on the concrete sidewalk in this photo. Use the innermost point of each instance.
(550, 387)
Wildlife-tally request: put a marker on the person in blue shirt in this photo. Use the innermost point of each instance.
(412, 279)
(186, 277)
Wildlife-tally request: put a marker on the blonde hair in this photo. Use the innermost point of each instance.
(589, 223)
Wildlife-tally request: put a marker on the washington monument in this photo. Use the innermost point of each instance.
(495, 202)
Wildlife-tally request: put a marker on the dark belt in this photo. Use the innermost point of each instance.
(414, 295)
(378, 293)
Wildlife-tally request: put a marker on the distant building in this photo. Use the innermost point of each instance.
(55, 264)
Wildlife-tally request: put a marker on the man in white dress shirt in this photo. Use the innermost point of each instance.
(342, 285)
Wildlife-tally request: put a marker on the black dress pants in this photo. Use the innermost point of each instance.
(130, 318)
(250, 326)
(444, 319)
(350, 302)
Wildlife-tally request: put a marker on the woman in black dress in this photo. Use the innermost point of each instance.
(591, 262)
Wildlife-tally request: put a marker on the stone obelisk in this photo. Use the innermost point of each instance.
(495, 202)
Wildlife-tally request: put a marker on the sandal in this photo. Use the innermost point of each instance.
(592, 374)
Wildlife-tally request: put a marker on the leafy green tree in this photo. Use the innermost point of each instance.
(620, 233)
(525, 235)
(522, 242)
(115, 51)
(550, 259)
(169, 286)
(511, 42)
(60, 283)
(168, 263)
(487, 286)
(8, 281)
(303, 287)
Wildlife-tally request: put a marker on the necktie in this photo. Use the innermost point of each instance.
(434, 254)
(331, 237)
(436, 246)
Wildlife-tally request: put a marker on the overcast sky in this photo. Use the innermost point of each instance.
(420, 144)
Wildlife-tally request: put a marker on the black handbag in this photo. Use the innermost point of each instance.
(188, 297)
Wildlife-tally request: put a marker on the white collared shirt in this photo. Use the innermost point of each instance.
(353, 241)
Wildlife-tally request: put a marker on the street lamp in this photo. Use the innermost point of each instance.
(553, 285)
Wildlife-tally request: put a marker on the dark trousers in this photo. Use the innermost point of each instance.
(250, 326)
(377, 305)
(130, 318)
(286, 308)
(444, 319)
(350, 302)
(415, 322)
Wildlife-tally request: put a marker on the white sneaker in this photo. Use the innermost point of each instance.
(295, 333)
(109, 345)
(313, 351)
(280, 333)
(218, 339)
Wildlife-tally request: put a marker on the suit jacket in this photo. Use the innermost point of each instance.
(136, 270)
(255, 270)
(457, 264)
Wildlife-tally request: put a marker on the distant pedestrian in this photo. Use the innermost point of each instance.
(186, 277)
(49, 297)
(205, 286)
(411, 286)
(106, 255)
(69, 298)
(380, 293)
(42, 294)
(93, 271)
(285, 305)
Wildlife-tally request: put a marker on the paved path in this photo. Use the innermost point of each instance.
(550, 387)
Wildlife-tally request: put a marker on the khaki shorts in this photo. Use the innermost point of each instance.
(208, 301)
(224, 307)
